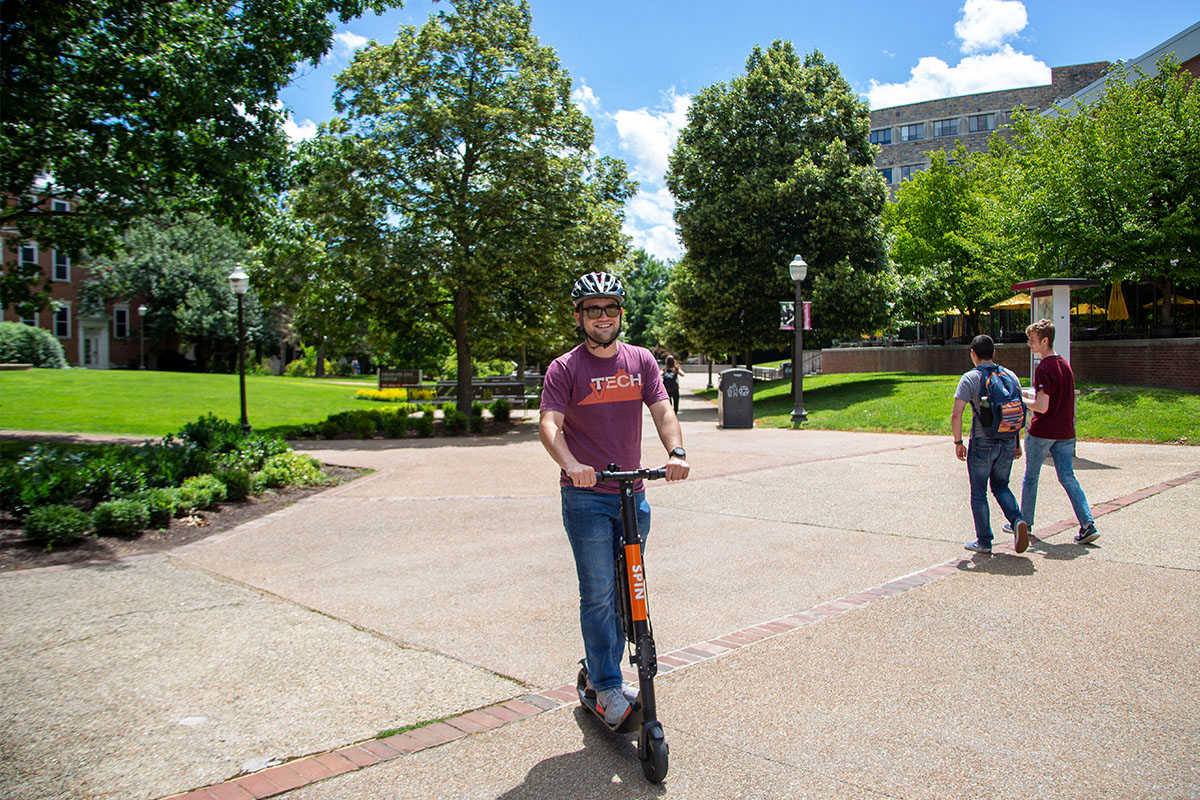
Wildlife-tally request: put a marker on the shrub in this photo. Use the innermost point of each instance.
(477, 423)
(477, 409)
(237, 483)
(307, 365)
(110, 473)
(454, 421)
(160, 504)
(365, 425)
(329, 429)
(56, 524)
(121, 517)
(25, 344)
(198, 493)
(395, 426)
(501, 410)
(423, 424)
(291, 469)
(382, 395)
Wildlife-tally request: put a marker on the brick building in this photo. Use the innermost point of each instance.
(93, 337)
(906, 134)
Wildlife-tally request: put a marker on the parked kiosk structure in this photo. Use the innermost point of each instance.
(1050, 298)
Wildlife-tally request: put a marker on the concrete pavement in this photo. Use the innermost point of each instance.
(828, 635)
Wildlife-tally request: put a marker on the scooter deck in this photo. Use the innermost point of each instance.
(587, 698)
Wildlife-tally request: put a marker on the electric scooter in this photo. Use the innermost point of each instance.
(630, 591)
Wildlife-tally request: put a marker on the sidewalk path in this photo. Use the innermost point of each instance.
(828, 638)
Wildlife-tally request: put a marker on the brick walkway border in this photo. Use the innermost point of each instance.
(311, 769)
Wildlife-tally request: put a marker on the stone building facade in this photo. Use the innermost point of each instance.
(907, 134)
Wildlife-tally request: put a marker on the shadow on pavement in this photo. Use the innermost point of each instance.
(589, 771)
(1014, 566)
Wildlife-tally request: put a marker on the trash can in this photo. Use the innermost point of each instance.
(735, 401)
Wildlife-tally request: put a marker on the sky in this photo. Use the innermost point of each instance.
(636, 64)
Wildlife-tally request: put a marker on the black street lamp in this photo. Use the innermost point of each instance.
(239, 282)
(142, 332)
(798, 270)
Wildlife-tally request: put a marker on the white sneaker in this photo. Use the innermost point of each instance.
(613, 705)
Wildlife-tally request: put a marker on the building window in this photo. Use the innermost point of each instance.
(911, 133)
(61, 205)
(62, 266)
(909, 171)
(31, 320)
(886, 172)
(120, 323)
(29, 254)
(945, 127)
(881, 136)
(62, 322)
(982, 123)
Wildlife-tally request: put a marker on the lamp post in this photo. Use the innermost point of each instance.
(142, 333)
(798, 270)
(239, 282)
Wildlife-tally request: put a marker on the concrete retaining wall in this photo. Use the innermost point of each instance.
(1169, 363)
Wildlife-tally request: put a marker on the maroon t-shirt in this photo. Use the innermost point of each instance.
(1054, 377)
(601, 401)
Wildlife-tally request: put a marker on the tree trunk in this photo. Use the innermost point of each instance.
(320, 367)
(463, 348)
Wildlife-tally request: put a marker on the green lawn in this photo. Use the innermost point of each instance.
(901, 402)
(148, 403)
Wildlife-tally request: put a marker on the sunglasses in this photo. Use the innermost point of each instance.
(594, 312)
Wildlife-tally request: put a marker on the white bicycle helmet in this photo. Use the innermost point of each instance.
(597, 284)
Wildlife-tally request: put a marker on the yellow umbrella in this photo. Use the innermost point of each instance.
(1116, 303)
(1016, 302)
(1179, 301)
(1087, 308)
(958, 326)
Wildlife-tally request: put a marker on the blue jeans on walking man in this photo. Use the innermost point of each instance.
(989, 462)
(1063, 453)
(597, 536)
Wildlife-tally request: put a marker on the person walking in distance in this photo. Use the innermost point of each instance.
(994, 441)
(1052, 431)
(670, 377)
(590, 417)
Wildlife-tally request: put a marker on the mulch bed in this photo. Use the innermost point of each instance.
(17, 553)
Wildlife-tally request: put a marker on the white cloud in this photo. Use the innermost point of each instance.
(985, 24)
(649, 136)
(586, 99)
(299, 131)
(933, 78)
(347, 42)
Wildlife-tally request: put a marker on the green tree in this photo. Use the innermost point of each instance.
(946, 240)
(468, 132)
(182, 269)
(126, 108)
(645, 279)
(1111, 190)
(773, 163)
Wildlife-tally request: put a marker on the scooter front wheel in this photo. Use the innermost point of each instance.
(653, 752)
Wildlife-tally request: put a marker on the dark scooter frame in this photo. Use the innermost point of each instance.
(630, 591)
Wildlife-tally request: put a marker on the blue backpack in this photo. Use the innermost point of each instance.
(1001, 407)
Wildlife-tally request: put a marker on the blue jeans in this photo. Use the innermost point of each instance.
(989, 461)
(593, 523)
(1063, 453)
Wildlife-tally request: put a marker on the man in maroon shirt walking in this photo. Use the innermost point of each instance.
(1052, 401)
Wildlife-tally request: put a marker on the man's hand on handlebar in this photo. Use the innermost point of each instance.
(581, 475)
(677, 469)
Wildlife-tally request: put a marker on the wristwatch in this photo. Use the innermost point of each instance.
(678, 452)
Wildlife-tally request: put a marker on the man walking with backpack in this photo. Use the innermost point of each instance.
(998, 414)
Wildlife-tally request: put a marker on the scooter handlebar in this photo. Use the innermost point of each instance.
(631, 475)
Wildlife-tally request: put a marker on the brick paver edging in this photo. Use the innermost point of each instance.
(311, 769)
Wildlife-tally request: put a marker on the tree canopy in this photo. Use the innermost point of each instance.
(465, 128)
(1111, 190)
(125, 109)
(774, 163)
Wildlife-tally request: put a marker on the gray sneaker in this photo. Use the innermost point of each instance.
(977, 547)
(630, 691)
(1007, 527)
(613, 705)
